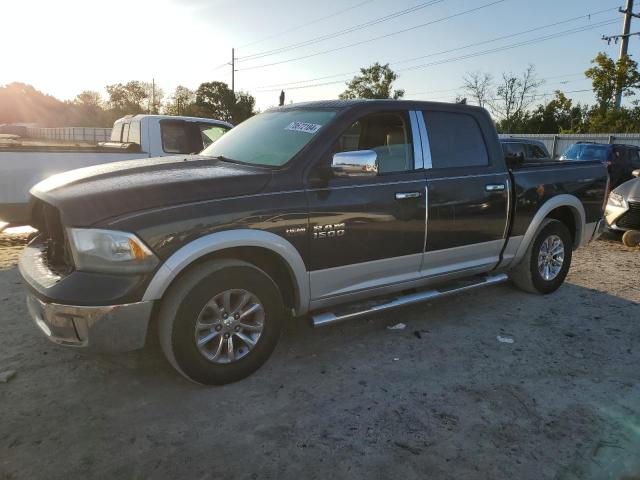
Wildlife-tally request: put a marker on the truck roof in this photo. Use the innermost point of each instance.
(142, 116)
(345, 104)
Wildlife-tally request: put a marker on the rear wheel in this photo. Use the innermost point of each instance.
(220, 321)
(547, 260)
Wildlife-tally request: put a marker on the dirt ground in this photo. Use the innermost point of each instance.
(442, 398)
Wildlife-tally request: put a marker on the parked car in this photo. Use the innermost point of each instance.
(134, 136)
(621, 160)
(519, 151)
(321, 210)
(623, 209)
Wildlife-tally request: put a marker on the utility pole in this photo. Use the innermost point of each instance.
(233, 71)
(624, 44)
(153, 95)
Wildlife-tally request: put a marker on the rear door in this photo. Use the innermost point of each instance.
(468, 192)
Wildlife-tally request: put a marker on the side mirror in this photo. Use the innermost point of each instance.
(359, 162)
(514, 160)
(636, 173)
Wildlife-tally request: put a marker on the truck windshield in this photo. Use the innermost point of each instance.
(585, 151)
(270, 138)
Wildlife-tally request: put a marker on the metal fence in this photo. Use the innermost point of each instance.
(556, 144)
(71, 134)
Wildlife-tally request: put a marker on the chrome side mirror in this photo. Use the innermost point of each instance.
(636, 173)
(359, 162)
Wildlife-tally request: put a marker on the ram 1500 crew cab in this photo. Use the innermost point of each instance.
(133, 136)
(306, 210)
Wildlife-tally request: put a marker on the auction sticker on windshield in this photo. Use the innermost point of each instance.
(303, 127)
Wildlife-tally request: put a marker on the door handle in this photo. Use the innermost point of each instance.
(406, 195)
(494, 187)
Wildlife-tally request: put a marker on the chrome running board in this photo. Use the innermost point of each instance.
(328, 318)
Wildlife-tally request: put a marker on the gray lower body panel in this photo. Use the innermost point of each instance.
(112, 328)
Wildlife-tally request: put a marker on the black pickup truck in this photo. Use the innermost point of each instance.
(322, 210)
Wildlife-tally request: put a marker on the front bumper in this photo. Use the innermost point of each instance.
(112, 328)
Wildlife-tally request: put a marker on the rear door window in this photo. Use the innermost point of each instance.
(535, 153)
(125, 133)
(175, 137)
(134, 133)
(513, 150)
(635, 159)
(455, 140)
(116, 132)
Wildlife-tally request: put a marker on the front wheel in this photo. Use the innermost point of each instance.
(547, 260)
(220, 321)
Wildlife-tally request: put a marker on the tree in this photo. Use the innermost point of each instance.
(373, 82)
(610, 77)
(89, 98)
(20, 102)
(181, 102)
(559, 115)
(134, 97)
(216, 100)
(479, 86)
(87, 110)
(513, 97)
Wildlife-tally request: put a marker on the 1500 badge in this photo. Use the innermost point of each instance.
(331, 230)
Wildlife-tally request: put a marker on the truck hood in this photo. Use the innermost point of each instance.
(90, 195)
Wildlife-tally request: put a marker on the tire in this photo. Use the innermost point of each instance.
(527, 276)
(631, 238)
(195, 299)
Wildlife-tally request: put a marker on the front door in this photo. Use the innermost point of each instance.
(368, 231)
(468, 191)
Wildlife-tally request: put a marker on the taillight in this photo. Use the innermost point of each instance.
(609, 163)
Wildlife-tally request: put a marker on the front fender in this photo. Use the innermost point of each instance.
(216, 242)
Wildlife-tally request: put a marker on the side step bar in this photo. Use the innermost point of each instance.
(328, 318)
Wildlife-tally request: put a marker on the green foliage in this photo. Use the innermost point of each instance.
(134, 97)
(216, 100)
(373, 82)
(182, 102)
(610, 77)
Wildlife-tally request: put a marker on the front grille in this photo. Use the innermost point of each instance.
(46, 219)
(631, 218)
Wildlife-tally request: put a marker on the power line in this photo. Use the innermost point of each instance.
(312, 22)
(442, 19)
(509, 47)
(461, 88)
(533, 96)
(345, 31)
(496, 39)
(475, 54)
(504, 37)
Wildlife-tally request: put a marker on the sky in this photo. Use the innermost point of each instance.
(67, 46)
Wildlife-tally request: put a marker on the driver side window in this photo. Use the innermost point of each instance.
(387, 134)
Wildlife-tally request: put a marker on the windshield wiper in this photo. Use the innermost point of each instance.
(225, 159)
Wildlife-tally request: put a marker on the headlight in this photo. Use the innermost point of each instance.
(109, 251)
(616, 200)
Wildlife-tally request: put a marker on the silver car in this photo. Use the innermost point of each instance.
(623, 210)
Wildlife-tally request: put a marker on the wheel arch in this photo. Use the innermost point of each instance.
(565, 208)
(266, 250)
